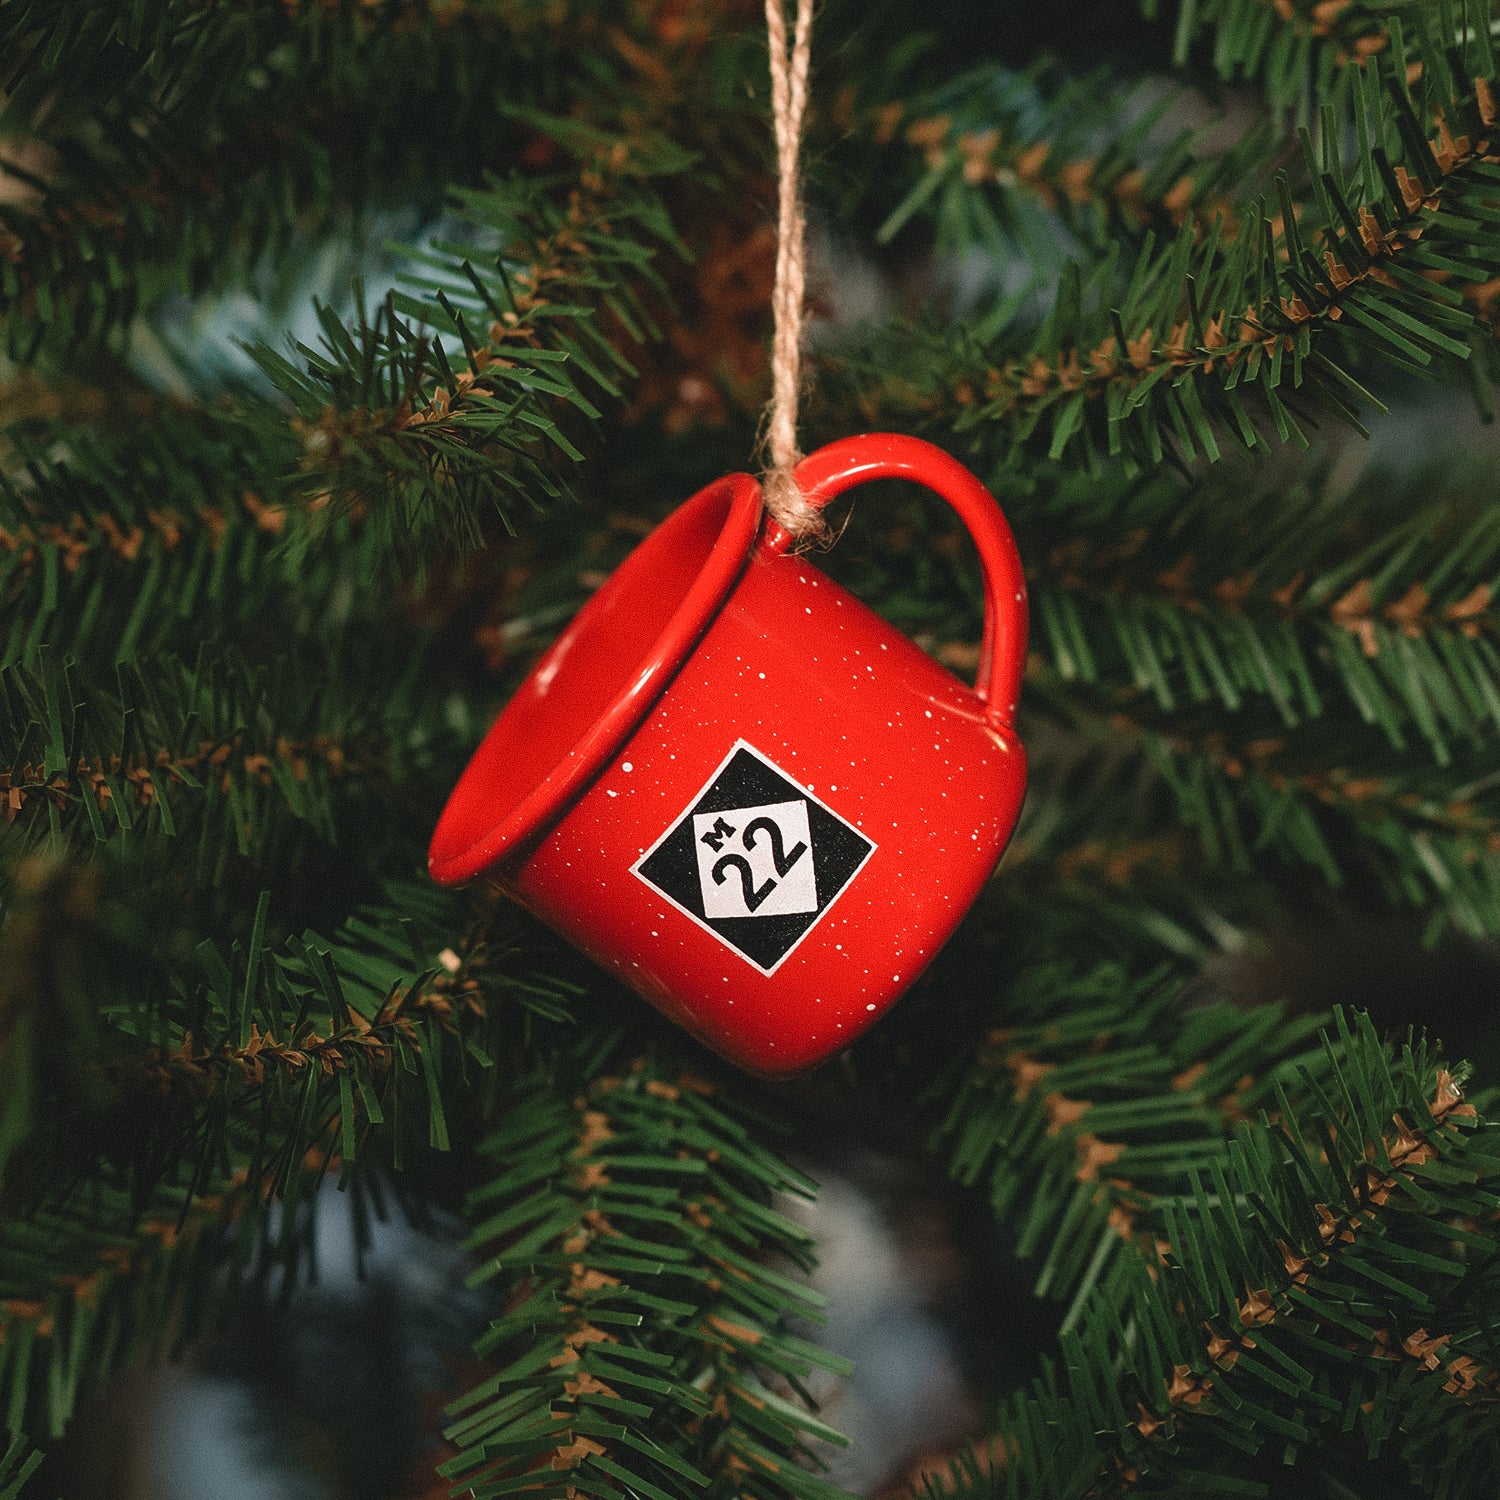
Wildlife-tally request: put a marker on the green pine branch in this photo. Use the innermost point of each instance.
(1095, 1092)
(98, 536)
(1410, 837)
(164, 1118)
(1317, 1298)
(177, 147)
(1264, 802)
(125, 540)
(1200, 691)
(455, 398)
(1303, 51)
(18, 1463)
(1296, 604)
(88, 56)
(230, 759)
(1371, 602)
(1265, 1255)
(84, 1291)
(642, 1346)
(251, 1052)
(1218, 338)
(118, 1276)
(993, 158)
(160, 1092)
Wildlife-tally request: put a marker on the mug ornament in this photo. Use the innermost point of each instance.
(738, 788)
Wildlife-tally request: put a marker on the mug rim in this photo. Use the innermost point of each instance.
(511, 836)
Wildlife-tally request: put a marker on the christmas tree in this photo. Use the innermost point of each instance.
(348, 347)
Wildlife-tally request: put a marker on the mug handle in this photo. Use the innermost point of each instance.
(888, 455)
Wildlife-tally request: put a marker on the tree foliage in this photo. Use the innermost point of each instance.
(254, 617)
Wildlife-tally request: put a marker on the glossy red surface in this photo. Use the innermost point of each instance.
(912, 779)
(596, 681)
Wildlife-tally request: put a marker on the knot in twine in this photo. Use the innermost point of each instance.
(789, 68)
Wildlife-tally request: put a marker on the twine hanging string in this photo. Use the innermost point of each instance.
(789, 68)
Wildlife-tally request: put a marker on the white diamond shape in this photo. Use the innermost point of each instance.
(675, 898)
(755, 861)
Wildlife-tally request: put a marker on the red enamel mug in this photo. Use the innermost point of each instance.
(738, 788)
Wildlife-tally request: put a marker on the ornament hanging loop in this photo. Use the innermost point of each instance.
(789, 87)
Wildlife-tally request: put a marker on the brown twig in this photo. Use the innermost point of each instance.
(1227, 338)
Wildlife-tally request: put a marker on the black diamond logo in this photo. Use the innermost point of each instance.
(756, 859)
